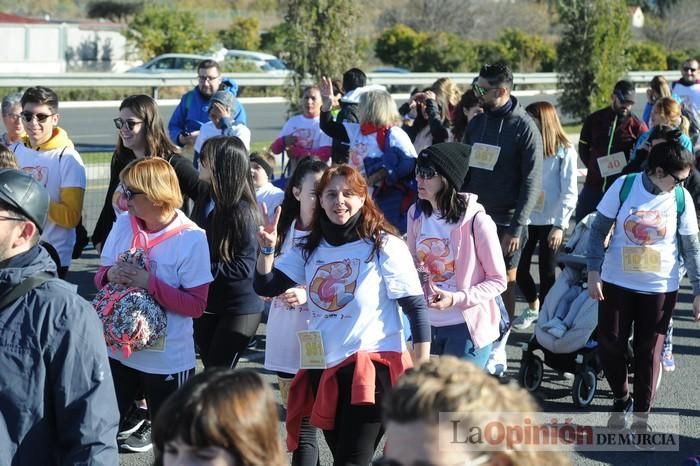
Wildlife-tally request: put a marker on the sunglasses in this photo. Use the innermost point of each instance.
(40, 117)
(425, 172)
(678, 181)
(129, 194)
(131, 124)
(481, 91)
(687, 68)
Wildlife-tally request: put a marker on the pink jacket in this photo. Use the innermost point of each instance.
(480, 271)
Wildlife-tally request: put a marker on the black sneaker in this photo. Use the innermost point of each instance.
(132, 421)
(139, 441)
(621, 416)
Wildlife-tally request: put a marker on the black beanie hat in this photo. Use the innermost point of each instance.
(263, 164)
(450, 159)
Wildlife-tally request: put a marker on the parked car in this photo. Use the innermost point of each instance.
(170, 63)
(262, 61)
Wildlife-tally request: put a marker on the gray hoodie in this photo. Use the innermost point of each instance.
(510, 191)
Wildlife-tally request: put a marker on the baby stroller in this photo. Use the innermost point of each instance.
(576, 349)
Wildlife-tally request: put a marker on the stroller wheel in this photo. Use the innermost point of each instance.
(531, 373)
(585, 384)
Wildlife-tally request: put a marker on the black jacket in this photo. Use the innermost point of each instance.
(57, 398)
(349, 113)
(187, 176)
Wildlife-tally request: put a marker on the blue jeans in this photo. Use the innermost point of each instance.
(455, 340)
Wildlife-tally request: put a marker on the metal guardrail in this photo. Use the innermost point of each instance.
(157, 81)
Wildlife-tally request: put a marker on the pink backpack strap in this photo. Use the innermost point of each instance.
(140, 238)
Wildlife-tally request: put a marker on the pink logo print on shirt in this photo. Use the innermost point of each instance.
(39, 173)
(433, 253)
(333, 285)
(645, 227)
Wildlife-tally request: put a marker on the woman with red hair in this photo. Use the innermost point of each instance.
(357, 272)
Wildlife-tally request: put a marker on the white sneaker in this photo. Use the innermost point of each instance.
(525, 319)
(553, 322)
(558, 331)
(497, 364)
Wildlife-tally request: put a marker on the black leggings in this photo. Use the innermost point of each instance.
(358, 428)
(537, 234)
(130, 384)
(222, 338)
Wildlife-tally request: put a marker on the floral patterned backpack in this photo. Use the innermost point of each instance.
(132, 320)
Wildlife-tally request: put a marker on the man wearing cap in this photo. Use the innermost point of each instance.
(57, 399)
(607, 138)
(221, 123)
(193, 110)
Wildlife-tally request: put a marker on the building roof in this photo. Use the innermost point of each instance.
(8, 18)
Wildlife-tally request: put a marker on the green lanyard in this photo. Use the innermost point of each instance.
(610, 141)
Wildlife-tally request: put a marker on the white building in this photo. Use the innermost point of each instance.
(41, 46)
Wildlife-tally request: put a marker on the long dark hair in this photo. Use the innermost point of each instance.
(372, 225)
(451, 204)
(290, 205)
(459, 119)
(158, 144)
(235, 210)
(670, 156)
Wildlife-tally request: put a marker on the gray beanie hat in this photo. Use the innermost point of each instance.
(224, 98)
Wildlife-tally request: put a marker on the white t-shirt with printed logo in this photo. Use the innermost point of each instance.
(307, 131)
(353, 302)
(55, 169)
(435, 251)
(282, 351)
(643, 252)
(181, 261)
(362, 146)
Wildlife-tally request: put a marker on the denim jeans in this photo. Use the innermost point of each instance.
(455, 340)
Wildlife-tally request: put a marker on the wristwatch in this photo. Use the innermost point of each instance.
(267, 250)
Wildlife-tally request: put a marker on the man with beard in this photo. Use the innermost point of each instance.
(505, 171)
(688, 87)
(58, 404)
(607, 137)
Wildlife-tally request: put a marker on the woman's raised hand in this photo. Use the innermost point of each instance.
(267, 232)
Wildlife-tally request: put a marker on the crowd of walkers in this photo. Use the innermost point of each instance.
(384, 258)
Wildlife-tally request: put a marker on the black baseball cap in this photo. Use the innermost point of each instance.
(24, 194)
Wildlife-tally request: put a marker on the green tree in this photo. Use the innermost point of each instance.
(527, 53)
(273, 40)
(646, 56)
(491, 52)
(591, 52)
(243, 34)
(113, 10)
(445, 52)
(161, 29)
(320, 41)
(399, 46)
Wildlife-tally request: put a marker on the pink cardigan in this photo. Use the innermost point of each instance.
(480, 270)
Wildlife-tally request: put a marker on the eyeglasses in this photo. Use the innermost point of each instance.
(131, 124)
(687, 68)
(207, 79)
(40, 117)
(678, 181)
(129, 194)
(481, 91)
(425, 172)
(14, 219)
(14, 117)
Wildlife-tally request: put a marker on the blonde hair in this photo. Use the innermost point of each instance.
(378, 107)
(660, 86)
(448, 88)
(449, 384)
(155, 178)
(553, 135)
(670, 113)
(7, 158)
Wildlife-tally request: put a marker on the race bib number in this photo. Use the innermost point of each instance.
(484, 156)
(612, 164)
(539, 205)
(641, 259)
(311, 347)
